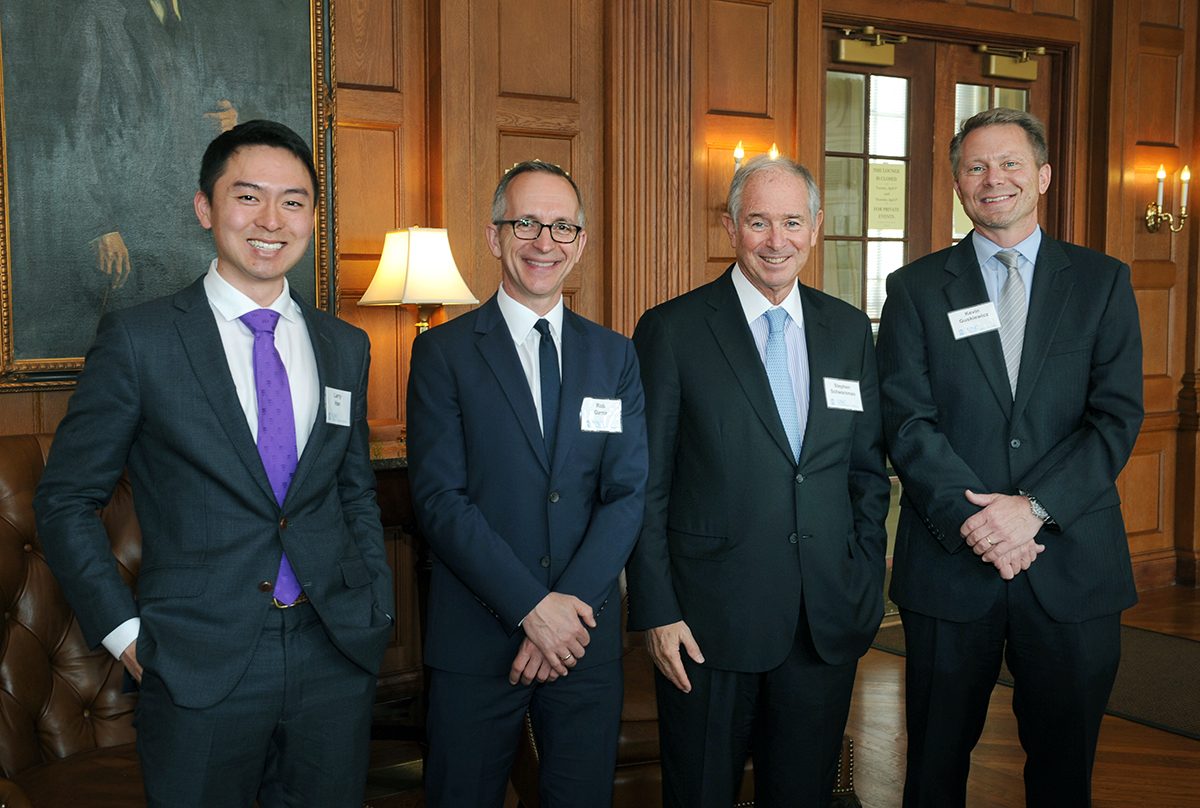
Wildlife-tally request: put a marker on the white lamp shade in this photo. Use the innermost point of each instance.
(417, 267)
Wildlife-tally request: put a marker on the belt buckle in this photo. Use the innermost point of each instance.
(278, 604)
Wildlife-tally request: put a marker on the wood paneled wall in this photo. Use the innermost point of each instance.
(644, 100)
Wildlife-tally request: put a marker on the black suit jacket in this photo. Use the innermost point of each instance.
(156, 396)
(952, 424)
(735, 532)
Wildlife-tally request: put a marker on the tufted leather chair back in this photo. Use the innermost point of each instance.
(57, 697)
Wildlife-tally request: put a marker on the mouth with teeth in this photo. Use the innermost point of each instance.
(274, 246)
(989, 200)
(775, 259)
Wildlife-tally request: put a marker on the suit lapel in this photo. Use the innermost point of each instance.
(728, 324)
(967, 289)
(206, 354)
(821, 345)
(1047, 301)
(496, 345)
(576, 370)
(326, 358)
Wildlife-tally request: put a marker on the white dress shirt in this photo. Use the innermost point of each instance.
(995, 273)
(520, 321)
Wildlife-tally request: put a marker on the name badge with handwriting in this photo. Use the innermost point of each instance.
(974, 320)
(843, 394)
(600, 415)
(337, 406)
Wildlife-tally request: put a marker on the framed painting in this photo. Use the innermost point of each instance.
(106, 107)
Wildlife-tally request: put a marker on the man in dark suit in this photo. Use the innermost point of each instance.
(1011, 374)
(762, 552)
(264, 601)
(530, 492)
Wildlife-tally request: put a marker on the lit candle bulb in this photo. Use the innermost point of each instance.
(1162, 176)
(738, 154)
(774, 152)
(1186, 176)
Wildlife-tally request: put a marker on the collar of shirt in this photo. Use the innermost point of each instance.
(231, 304)
(520, 319)
(995, 273)
(755, 304)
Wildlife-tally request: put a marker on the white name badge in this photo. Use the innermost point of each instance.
(843, 394)
(337, 407)
(600, 415)
(974, 320)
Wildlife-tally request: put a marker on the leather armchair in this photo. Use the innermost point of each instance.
(66, 729)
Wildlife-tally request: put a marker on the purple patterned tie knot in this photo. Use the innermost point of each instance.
(276, 425)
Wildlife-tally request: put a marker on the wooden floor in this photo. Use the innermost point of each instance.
(1135, 765)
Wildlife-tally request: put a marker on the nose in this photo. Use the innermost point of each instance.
(268, 218)
(543, 241)
(776, 238)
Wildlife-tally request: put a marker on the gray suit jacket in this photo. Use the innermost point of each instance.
(952, 424)
(156, 396)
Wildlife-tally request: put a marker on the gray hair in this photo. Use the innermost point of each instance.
(761, 163)
(1034, 130)
(500, 201)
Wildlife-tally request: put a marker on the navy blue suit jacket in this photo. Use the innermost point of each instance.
(507, 524)
(952, 425)
(156, 396)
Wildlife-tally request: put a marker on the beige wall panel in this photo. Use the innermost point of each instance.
(367, 35)
(368, 183)
(354, 276)
(1141, 486)
(1054, 8)
(740, 58)
(1154, 311)
(720, 174)
(536, 47)
(515, 148)
(385, 328)
(1160, 12)
(1157, 106)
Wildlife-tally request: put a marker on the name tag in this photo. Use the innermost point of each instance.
(600, 415)
(843, 394)
(337, 407)
(974, 320)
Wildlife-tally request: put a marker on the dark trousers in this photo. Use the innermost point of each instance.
(793, 717)
(294, 733)
(473, 726)
(1063, 675)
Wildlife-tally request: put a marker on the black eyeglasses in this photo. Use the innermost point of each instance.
(530, 229)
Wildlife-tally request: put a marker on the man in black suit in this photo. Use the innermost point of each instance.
(762, 552)
(264, 603)
(1011, 372)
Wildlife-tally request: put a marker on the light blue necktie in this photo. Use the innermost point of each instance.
(781, 380)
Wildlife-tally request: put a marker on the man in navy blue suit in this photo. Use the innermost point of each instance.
(263, 605)
(527, 456)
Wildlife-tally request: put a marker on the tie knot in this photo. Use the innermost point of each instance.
(776, 318)
(1008, 258)
(543, 327)
(261, 320)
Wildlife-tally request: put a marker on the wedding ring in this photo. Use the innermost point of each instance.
(568, 656)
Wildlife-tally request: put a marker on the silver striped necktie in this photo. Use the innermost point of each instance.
(1012, 317)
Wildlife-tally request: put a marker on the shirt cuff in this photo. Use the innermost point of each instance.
(120, 637)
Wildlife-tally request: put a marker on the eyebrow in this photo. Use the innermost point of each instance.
(253, 186)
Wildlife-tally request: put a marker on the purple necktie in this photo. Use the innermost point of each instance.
(276, 426)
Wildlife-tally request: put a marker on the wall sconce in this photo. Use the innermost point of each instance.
(738, 154)
(1154, 211)
(417, 268)
(773, 153)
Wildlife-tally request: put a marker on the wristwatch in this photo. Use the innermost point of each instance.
(1038, 509)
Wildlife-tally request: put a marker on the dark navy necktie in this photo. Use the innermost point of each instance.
(548, 368)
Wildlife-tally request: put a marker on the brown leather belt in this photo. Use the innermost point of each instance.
(278, 604)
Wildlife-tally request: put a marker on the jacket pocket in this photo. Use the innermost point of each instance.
(697, 546)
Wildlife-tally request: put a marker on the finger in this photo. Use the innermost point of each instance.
(585, 613)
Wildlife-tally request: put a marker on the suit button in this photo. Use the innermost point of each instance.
(266, 586)
(554, 496)
(793, 538)
(1015, 443)
(545, 561)
(283, 523)
(799, 478)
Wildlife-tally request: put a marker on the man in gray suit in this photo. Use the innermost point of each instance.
(264, 601)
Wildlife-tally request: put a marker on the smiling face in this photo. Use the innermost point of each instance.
(1000, 183)
(534, 271)
(774, 235)
(262, 216)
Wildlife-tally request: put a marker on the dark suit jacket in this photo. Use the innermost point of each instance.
(156, 396)
(735, 532)
(952, 424)
(507, 524)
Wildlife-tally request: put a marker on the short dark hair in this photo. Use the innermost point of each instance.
(1034, 130)
(253, 133)
(762, 163)
(499, 200)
